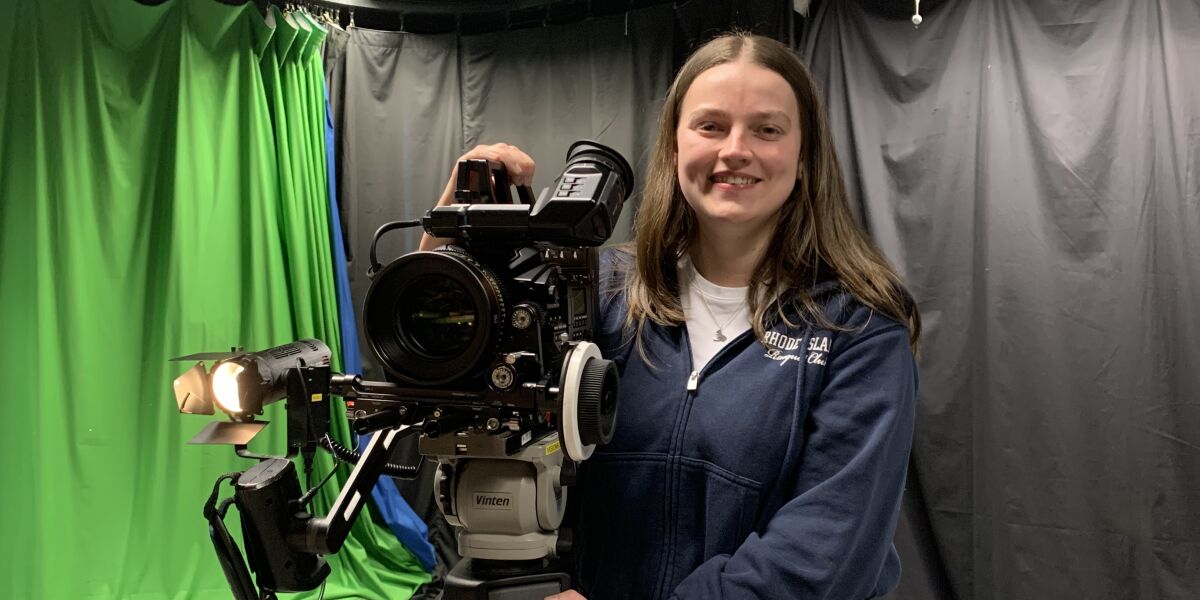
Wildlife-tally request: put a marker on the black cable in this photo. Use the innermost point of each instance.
(233, 564)
(303, 501)
(374, 266)
(349, 456)
(210, 507)
(307, 454)
(224, 506)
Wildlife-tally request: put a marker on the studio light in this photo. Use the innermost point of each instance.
(242, 383)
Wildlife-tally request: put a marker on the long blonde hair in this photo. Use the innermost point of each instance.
(816, 235)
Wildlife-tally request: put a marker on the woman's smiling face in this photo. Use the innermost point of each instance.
(737, 148)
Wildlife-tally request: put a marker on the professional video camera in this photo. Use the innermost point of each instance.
(487, 346)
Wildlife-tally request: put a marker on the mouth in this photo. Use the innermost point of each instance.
(735, 180)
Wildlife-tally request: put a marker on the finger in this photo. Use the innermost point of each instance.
(519, 173)
(527, 171)
(490, 152)
(516, 162)
(567, 595)
(522, 167)
(519, 165)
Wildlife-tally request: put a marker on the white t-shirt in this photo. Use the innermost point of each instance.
(727, 310)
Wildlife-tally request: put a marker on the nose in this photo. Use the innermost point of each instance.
(735, 151)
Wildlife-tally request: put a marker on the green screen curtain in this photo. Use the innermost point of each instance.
(162, 192)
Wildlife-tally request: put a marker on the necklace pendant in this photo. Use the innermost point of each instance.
(720, 337)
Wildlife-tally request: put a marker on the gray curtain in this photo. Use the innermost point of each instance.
(1034, 170)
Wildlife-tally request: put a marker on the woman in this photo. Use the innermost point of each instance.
(766, 355)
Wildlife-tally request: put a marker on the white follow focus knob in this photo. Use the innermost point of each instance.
(572, 442)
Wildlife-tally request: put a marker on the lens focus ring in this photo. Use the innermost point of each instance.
(597, 401)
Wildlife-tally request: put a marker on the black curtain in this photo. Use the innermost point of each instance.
(1034, 170)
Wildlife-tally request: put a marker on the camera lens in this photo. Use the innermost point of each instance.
(434, 317)
(438, 317)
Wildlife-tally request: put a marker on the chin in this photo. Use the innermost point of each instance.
(738, 220)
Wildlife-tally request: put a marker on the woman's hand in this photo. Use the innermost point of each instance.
(520, 169)
(567, 595)
(518, 164)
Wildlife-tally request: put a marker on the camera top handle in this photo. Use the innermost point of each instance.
(479, 182)
(580, 210)
(482, 182)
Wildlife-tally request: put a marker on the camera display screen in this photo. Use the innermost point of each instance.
(578, 302)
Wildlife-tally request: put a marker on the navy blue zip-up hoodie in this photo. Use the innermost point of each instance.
(773, 472)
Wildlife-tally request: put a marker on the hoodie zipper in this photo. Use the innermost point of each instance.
(693, 380)
(693, 384)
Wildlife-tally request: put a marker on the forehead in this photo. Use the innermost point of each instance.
(741, 85)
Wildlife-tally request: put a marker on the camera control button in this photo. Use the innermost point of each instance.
(503, 377)
(522, 318)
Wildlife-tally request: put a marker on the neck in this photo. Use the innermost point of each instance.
(730, 260)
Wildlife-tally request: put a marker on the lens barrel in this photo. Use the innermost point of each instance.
(433, 317)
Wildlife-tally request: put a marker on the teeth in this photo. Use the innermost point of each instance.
(734, 180)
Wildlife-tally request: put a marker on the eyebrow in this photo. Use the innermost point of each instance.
(762, 115)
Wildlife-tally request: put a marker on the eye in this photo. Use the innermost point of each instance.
(708, 127)
(771, 131)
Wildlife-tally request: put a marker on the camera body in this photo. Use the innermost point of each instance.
(484, 327)
(483, 319)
